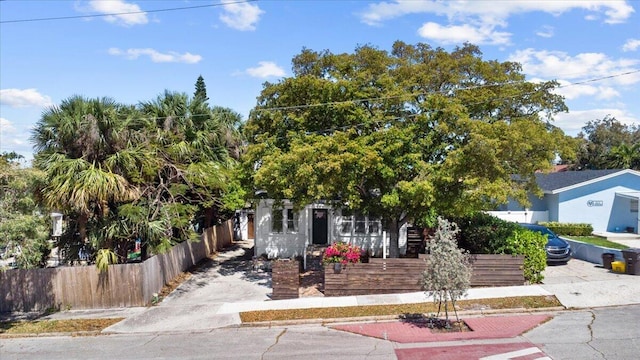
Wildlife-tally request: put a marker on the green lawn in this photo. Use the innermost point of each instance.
(595, 240)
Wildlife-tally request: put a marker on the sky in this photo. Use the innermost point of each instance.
(132, 50)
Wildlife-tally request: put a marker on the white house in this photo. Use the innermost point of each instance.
(284, 233)
(606, 199)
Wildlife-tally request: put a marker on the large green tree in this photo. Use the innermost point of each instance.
(24, 225)
(608, 144)
(398, 134)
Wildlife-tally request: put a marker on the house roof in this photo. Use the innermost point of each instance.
(557, 182)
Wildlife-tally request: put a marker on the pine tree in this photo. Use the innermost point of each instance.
(201, 89)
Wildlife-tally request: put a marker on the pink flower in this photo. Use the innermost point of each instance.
(341, 252)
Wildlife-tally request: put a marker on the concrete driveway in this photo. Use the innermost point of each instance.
(581, 284)
(194, 305)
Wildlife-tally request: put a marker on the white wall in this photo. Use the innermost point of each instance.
(531, 217)
(288, 245)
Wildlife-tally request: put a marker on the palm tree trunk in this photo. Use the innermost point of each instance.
(83, 218)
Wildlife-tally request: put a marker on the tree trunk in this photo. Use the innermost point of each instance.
(82, 227)
(394, 241)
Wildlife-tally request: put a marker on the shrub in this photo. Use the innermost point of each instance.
(481, 233)
(569, 228)
(448, 273)
(531, 244)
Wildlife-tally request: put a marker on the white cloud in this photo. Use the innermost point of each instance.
(134, 14)
(240, 15)
(156, 56)
(6, 126)
(455, 34)
(573, 121)
(24, 98)
(573, 91)
(631, 45)
(494, 12)
(14, 139)
(546, 31)
(266, 69)
(584, 66)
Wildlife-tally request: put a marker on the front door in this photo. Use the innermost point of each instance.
(320, 226)
(250, 227)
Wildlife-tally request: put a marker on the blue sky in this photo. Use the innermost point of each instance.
(591, 47)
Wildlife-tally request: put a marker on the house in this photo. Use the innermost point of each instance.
(606, 199)
(284, 233)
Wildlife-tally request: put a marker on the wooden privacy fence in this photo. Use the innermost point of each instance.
(285, 279)
(381, 276)
(123, 285)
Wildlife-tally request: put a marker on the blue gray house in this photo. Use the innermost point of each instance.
(606, 199)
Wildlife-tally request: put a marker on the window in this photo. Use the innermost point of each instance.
(276, 220)
(292, 221)
(374, 226)
(634, 205)
(360, 225)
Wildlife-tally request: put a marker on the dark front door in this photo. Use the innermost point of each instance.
(250, 227)
(320, 226)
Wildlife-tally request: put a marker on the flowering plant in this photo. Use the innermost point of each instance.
(341, 252)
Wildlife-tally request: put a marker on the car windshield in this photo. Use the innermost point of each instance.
(543, 230)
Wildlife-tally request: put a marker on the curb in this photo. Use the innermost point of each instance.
(389, 318)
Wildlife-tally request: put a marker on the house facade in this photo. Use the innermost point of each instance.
(606, 199)
(281, 232)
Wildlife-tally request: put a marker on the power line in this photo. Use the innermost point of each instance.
(123, 13)
(599, 79)
(356, 101)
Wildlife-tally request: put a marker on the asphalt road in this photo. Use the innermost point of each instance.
(603, 333)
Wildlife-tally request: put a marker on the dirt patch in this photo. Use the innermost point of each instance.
(435, 324)
(55, 326)
(312, 283)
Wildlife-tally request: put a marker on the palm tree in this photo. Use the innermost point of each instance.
(625, 156)
(189, 140)
(74, 143)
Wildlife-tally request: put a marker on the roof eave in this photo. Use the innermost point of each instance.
(592, 181)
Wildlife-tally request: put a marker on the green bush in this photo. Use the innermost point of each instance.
(569, 228)
(531, 244)
(481, 233)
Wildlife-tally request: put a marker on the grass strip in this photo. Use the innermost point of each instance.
(598, 241)
(519, 302)
(55, 326)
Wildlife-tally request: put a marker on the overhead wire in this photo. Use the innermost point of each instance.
(381, 98)
(87, 16)
(333, 103)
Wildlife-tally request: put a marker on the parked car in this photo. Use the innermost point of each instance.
(558, 250)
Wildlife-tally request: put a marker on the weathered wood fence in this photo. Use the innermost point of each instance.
(123, 285)
(389, 276)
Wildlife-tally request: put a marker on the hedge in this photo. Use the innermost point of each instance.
(569, 228)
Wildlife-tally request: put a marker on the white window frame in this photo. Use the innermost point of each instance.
(294, 221)
(370, 224)
(633, 206)
(284, 213)
(275, 213)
